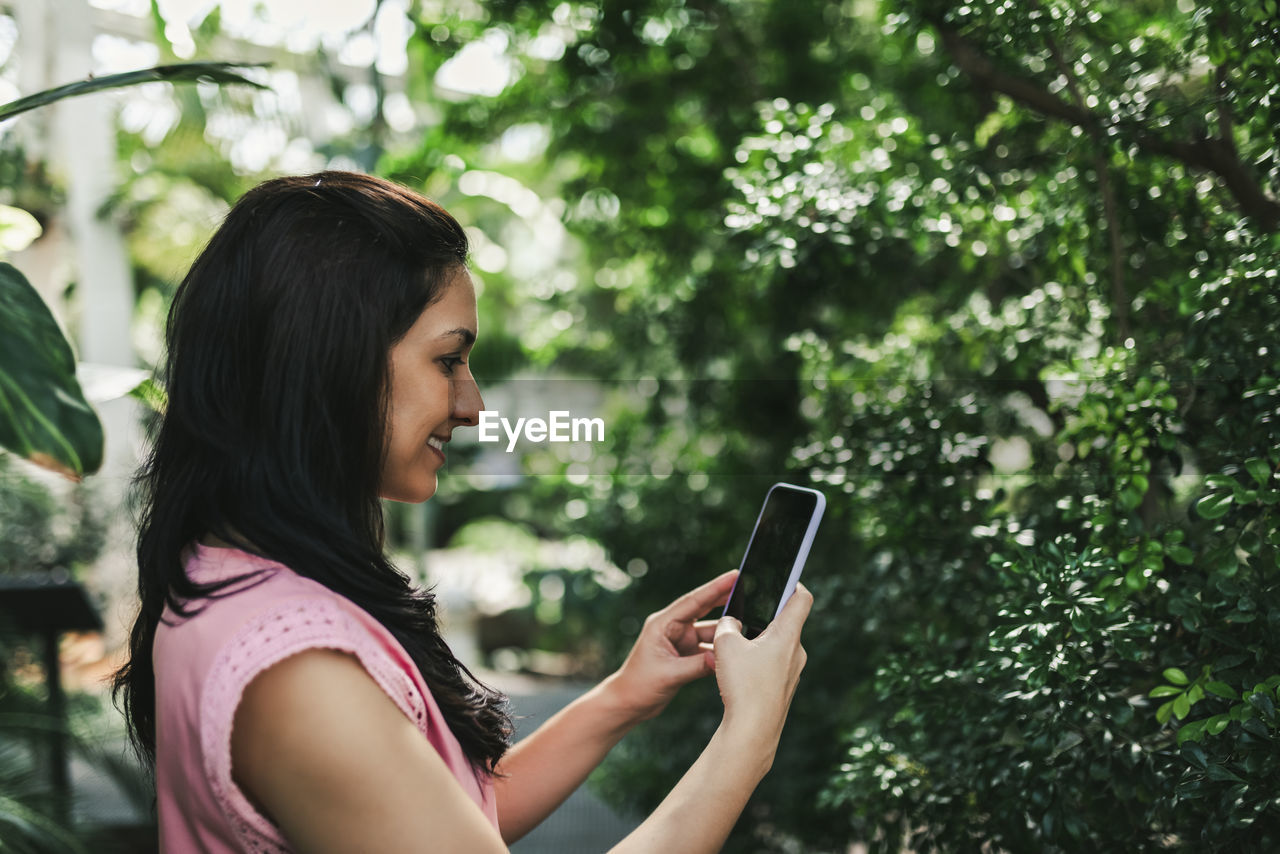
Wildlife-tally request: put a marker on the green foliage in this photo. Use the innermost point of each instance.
(564, 583)
(182, 72)
(40, 530)
(32, 813)
(1039, 726)
(43, 414)
(151, 394)
(45, 418)
(1004, 286)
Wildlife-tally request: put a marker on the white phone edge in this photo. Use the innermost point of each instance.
(802, 554)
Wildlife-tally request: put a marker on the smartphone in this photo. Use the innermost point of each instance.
(775, 555)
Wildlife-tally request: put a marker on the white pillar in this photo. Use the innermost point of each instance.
(85, 142)
(35, 69)
(77, 139)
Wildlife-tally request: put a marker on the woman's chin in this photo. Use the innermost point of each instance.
(411, 493)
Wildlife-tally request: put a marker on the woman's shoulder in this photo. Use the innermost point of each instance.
(216, 564)
(263, 610)
(206, 660)
(266, 614)
(247, 585)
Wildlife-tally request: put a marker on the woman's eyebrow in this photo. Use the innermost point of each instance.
(468, 336)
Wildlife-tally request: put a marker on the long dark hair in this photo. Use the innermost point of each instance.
(273, 437)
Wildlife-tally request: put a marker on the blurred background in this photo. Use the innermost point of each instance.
(998, 276)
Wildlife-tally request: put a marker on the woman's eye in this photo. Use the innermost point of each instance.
(451, 362)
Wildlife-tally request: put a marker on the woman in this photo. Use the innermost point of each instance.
(289, 685)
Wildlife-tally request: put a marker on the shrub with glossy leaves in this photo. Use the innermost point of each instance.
(999, 278)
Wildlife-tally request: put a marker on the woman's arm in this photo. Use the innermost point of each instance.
(323, 752)
(544, 769)
(757, 679)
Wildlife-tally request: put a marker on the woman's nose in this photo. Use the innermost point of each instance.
(467, 401)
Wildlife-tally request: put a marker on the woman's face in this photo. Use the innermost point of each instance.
(432, 391)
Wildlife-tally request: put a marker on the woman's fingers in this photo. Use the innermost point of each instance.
(757, 678)
(700, 638)
(791, 620)
(691, 637)
(727, 626)
(705, 630)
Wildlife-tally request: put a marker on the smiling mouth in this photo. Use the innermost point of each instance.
(436, 444)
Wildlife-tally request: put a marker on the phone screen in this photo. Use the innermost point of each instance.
(771, 557)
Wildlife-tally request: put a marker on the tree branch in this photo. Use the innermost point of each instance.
(1219, 158)
(1213, 155)
(969, 59)
(1110, 210)
(1226, 127)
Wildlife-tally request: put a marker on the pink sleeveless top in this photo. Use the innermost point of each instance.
(203, 664)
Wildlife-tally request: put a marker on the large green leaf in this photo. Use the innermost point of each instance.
(28, 829)
(43, 414)
(216, 72)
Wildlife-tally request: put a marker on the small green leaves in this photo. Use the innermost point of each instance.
(1067, 742)
(1194, 754)
(1185, 694)
(1261, 700)
(1191, 731)
(1183, 697)
(1130, 496)
(1249, 543)
(151, 394)
(1258, 469)
(1253, 713)
(1255, 727)
(1217, 724)
(1214, 505)
(1221, 689)
(1221, 774)
(1228, 490)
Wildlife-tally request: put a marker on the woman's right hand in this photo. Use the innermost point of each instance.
(757, 678)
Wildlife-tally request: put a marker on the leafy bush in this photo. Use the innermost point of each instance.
(43, 528)
(1001, 280)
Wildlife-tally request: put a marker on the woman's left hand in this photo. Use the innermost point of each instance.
(673, 649)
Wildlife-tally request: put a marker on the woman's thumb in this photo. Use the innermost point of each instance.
(728, 626)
